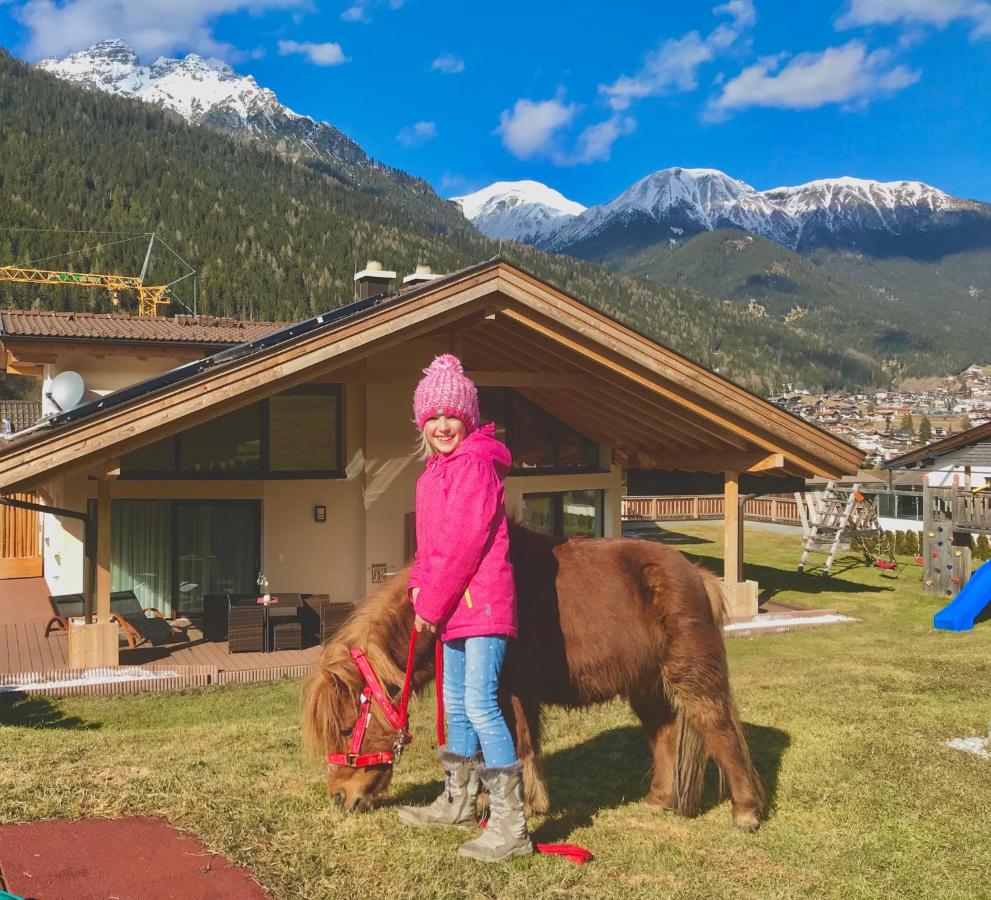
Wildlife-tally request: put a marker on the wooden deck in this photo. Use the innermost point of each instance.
(24, 649)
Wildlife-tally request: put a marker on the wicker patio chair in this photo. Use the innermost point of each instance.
(141, 624)
(332, 617)
(246, 629)
(309, 615)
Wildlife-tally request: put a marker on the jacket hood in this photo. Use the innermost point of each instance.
(483, 444)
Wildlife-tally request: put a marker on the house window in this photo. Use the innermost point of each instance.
(303, 429)
(565, 513)
(295, 434)
(230, 444)
(535, 438)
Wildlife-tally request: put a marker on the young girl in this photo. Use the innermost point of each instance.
(461, 585)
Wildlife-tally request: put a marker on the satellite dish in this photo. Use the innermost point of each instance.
(66, 390)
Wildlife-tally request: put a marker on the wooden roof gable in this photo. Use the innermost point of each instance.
(654, 406)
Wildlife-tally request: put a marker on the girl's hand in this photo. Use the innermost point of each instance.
(421, 624)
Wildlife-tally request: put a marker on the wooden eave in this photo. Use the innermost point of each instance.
(689, 417)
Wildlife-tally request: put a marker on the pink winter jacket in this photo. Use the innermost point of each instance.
(462, 565)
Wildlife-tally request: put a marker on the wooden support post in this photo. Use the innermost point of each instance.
(103, 550)
(741, 596)
(732, 533)
(96, 645)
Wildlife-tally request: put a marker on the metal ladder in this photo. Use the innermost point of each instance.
(830, 523)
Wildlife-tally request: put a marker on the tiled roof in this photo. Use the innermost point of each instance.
(22, 413)
(124, 327)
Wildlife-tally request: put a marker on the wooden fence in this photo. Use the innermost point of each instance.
(20, 540)
(659, 509)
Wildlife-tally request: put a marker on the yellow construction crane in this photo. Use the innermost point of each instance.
(150, 297)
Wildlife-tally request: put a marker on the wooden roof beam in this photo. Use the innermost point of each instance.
(701, 406)
(683, 380)
(693, 429)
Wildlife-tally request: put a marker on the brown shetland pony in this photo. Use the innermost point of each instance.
(599, 618)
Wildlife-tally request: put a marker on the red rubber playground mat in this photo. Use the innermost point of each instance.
(116, 859)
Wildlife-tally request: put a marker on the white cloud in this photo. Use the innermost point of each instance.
(356, 13)
(674, 65)
(360, 10)
(417, 133)
(327, 54)
(939, 13)
(595, 142)
(449, 64)
(151, 27)
(529, 129)
(846, 75)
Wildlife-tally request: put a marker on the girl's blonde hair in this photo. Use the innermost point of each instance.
(422, 449)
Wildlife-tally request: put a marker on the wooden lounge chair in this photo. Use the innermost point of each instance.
(64, 607)
(145, 624)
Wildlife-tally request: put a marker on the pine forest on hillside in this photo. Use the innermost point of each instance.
(275, 239)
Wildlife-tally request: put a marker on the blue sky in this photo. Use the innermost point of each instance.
(589, 97)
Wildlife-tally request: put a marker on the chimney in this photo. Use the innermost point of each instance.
(422, 275)
(372, 280)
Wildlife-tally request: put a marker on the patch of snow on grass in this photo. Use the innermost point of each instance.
(787, 621)
(119, 675)
(979, 746)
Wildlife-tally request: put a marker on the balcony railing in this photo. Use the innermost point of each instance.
(659, 509)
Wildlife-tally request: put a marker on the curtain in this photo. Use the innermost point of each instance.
(217, 550)
(141, 551)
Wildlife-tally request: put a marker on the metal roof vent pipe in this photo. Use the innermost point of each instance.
(422, 275)
(372, 280)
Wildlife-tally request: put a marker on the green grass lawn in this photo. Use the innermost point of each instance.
(847, 725)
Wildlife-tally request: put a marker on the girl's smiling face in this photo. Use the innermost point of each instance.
(444, 433)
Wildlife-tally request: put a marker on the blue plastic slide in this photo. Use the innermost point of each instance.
(969, 603)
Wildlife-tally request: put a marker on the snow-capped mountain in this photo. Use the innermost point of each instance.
(675, 204)
(198, 89)
(209, 92)
(525, 211)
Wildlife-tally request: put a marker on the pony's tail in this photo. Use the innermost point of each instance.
(715, 591)
(690, 762)
(691, 757)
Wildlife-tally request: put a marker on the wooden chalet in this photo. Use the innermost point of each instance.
(289, 452)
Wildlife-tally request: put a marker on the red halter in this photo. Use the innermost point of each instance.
(396, 714)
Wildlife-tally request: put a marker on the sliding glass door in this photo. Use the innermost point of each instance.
(172, 553)
(217, 548)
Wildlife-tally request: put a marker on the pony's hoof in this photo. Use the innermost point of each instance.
(746, 820)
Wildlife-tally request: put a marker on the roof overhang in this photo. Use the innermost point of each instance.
(655, 407)
(922, 457)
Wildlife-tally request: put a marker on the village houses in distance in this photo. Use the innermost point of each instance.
(877, 422)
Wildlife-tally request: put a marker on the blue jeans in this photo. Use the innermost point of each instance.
(471, 681)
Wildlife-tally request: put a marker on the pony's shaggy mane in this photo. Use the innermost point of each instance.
(380, 626)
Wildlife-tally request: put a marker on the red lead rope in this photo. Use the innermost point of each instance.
(573, 852)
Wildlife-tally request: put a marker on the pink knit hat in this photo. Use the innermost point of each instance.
(446, 390)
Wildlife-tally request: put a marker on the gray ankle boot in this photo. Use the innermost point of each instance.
(456, 805)
(505, 835)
